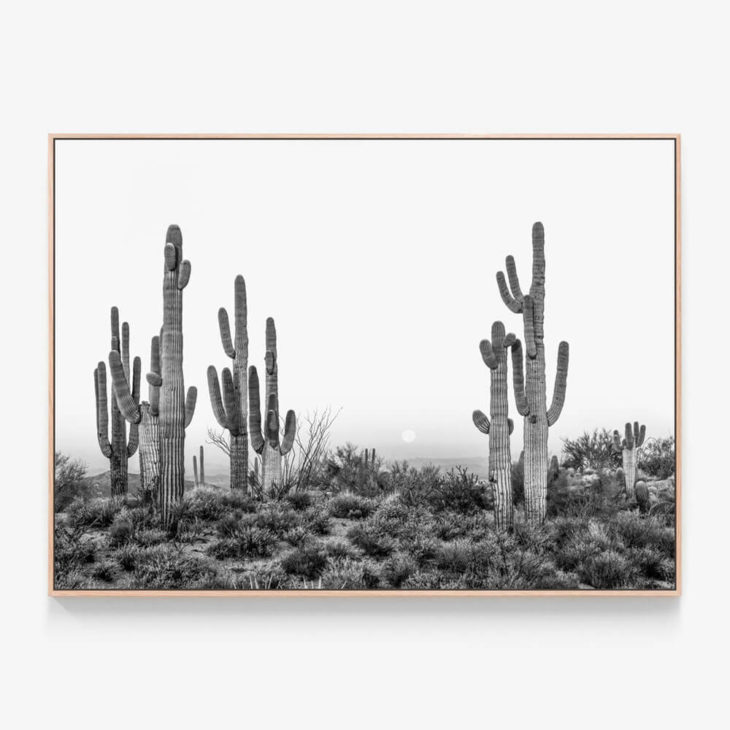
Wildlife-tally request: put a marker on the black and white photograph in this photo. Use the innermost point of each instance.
(370, 364)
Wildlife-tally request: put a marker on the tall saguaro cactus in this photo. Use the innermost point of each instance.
(144, 415)
(629, 447)
(176, 409)
(119, 449)
(265, 441)
(529, 384)
(231, 408)
(500, 427)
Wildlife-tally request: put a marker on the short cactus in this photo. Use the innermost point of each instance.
(265, 441)
(641, 492)
(629, 447)
(500, 427)
(231, 408)
(119, 449)
(529, 384)
(144, 416)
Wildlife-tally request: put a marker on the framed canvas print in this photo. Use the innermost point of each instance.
(347, 365)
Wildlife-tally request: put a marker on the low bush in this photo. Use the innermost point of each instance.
(93, 512)
(371, 540)
(248, 541)
(342, 574)
(307, 561)
(351, 506)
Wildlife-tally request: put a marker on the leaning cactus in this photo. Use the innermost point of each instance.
(494, 354)
(629, 447)
(530, 387)
(266, 441)
(196, 482)
(231, 408)
(176, 410)
(144, 416)
(118, 450)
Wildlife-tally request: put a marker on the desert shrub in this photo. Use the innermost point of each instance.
(424, 580)
(277, 517)
(93, 512)
(150, 536)
(348, 574)
(397, 569)
(127, 557)
(457, 556)
(449, 525)
(351, 506)
(167, 567)
(307, 561)
(456, 491)
(606, 570)
(104, 571)
(341, 549)
(299, 500)
(316, 519)
(121, 530)
(297, 536)
(414, 485)
(518, 482)
(561, 499)
(71, 552)
(422, 548)
(371, 540)
(68, 481)
(657, 458)
(634, 530)
(591, 451)
(651, 563)
(247, 541)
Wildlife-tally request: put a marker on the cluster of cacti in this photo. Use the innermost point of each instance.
(529, 387)
(500, 427)
(119, 449)
(199, 479)
(629, 447)
(265, 434)
(231, 408)
(143, 416)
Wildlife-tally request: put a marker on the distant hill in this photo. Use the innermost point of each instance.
(476, 464)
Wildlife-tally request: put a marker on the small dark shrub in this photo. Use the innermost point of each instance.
(307, 561)
(657, 458)
(104, 571)
(351, 506)
(370, 540)
(299, 500)
(347, 574)
(317, 520)
(297, 536)
(397, 569)
(248, 541)
(93, 512)
(121, 530)
(591, 451)
(341, 549)
(127, 557)
(606, 570)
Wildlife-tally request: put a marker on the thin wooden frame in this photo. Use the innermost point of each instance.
(676, 138)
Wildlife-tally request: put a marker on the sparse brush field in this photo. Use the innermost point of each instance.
(423, 530)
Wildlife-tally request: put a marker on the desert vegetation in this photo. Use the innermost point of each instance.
(303, 514)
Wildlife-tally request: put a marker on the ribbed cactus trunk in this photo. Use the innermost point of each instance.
(202, 466)
(175, 410)
(265, 432)
(149, 451)
(231, 407)
(500, 426)
(195, 471)
(629, 448)
(530, 386)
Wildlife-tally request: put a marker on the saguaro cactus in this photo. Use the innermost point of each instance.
(144, 415)
(266, 441)
(119, 449)
(629, 447)
(529, 384)
(195, 471)
(202, 466)
(176, 409)
(231, 409)
(500, 427)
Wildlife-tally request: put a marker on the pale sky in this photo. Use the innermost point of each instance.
(377, 259)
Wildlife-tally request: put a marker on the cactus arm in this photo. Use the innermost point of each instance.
(616, 441)
(529, 319)
(481, 421)
(170, 256)
(629, 437)
(512, 304)
(102, 414)
(126, 401)
(154, 379)
(490, 359)
(125, 349)
(115, 328)
(133, 440)
(241, 309)
(510, 425)
(290, 432)
(216, 399)
(183, 276)
(225, 330)
(190, 401)
(229, 401)
(254, 411)
(272, 422)
(509, 340)
(642, 436)
(136, 378)
(518, 379)
(561, 382)
(514, 280)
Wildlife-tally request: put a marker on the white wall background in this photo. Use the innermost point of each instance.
(377, 67)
